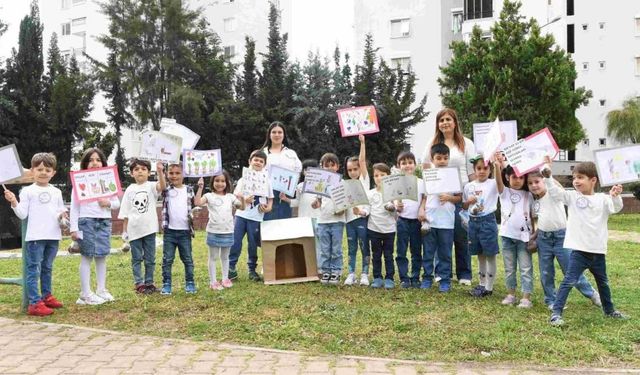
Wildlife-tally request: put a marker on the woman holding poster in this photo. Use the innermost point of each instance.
(461, 151)
(275, 146)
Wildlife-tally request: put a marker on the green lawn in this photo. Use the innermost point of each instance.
(625, 222)
(404, 324)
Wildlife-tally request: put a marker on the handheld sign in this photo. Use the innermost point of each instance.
(284, 180)
(319, 181)
(255, 183)
(201, 163)
(10, 162)
(618, 165)
(481, 131)
(442, 180)
(399, 187)
(189, 137)
(92, 184)
(159, 146)
(348, 194)
(526, 155)
(358, 120)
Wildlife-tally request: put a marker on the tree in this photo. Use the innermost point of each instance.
(518, 75)
(623, 125)
(8, 133)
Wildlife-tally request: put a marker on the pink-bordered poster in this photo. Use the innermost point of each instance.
(526, 155)
(358, 120)
(92, 184)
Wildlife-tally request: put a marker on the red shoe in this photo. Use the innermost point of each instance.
(140, 288)
(39, 309)
(52, 302)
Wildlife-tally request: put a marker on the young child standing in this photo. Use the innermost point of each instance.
(381, 230)
(551, 228)
(330, 229)
(220, 203)
(90, 226)
(586, 235)
(439, 212)
(516, 206)
(140, 222)
(177, 226)
(357, 219)
(42, 204)
(480, 197)
(408, 227)
(248, 221)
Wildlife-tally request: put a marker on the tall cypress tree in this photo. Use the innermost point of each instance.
(8, 133)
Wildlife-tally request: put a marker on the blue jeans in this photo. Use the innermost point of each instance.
(461, 244)
(40, 256)
(331, 247)
(182, 240)
(357, 234)
(579, 261)
(514, 254)
(96, 236)
(409, 236)
(279, 210)
(143, 249)
(252, 229)
(382, 244)
(550, 245)
(483, 235)
(437, 241)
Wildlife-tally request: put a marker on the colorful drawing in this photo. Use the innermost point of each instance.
(618, 165)
(159, 146)
(10, 162)
(348, 194)
(399, 187)
(358, 120)
(481, 130)
(255, 183)
(526, 155)
(92, 184)
(319, 181)
(189, 138)
(201, 163)
(284, 180)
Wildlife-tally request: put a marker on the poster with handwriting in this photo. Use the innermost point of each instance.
(157, 146)
(396, 187)
(10, 162)
(358, 120)
(618, 165)
(201, 163)
(481, 131)
(526, 155)
(189, 137)
(284, 180)
(348, 194)
(255, 182)
(92, 184)
(442, 180)
(319, 181)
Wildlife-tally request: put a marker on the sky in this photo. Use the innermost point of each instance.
(11, 12)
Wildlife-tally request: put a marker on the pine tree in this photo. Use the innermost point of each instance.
(8, 113)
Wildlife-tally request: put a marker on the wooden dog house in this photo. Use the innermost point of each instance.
(288, 251)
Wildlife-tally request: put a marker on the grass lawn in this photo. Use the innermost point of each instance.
(625, 222)
(403, 324)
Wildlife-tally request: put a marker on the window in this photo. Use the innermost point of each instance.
(585, 142)
(486, 35)
(638, 65)
(474, 9)
(602, 142)
(79, 21)
(571, 32)
(230, 24)
(602, 102)
(400, 28)
(585, 26)
(456, 22)
(66, 54)
(402, 63)
(82, 38)
(570, 9)
(229, 51)
(585, 66)
(638, 24)
(78, 2)
(66, 28)
(602, 64)
(562, 155)
(571, 155)
(601, 24)
(64, 4)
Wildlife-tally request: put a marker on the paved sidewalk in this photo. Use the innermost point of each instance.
(44, 348)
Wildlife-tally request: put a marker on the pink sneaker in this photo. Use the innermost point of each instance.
(216, 286)
(227, 283)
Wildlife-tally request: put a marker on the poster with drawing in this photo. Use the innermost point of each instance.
(319, 181)
(399, 187)
(201, 163)
(189, 138)
(358, 120)
(481, 132)
(348, 194)
(10, 162)
(255, 183)
(526, 155)
(157, 146)
(618, 165)
(284, 180)
(442, 180)
(92, 184)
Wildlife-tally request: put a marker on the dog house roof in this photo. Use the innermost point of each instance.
(297, 227)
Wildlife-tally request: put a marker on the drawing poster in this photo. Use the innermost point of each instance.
(284, 180)
(159, 146)
(358, 120)
(397, 187)
(189, 137)
(10, 162)
(319, 181)
(201, 163)
(92, 184)
(528, 154)
(255, 183)
(618, 165)
(348, 194)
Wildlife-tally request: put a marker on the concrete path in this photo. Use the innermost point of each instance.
(28, 347)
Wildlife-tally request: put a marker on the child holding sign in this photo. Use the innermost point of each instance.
(90, 226)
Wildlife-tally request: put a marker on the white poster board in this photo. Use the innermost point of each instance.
(526, 155)
(201, 163)
(319, 181)
(618, 165)
(157, 146)
(284, 180)
(189, 138)
(481, 131)
(397, 187)
(255, 183)
(10, 165)
(348, 194)
(442, 180)
(89, 185)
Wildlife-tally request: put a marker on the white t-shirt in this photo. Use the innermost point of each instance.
(178, 208)
(457, 158)
(42, 205)
(551, 214)
(327, 215)
(287, 159)
(588, 215)
(440, 215)
(139, 206)
(221, 212)
(91, 209)
(366, 184)
(251, 212)
(380, 220)
(410, 209)
(515, 214)
(303, 201)
(487, 194)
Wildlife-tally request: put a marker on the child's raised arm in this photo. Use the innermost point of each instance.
(616, 199)
(199, 201)
(362, 158)
(497, 171)
(162, 182)
(555, 190)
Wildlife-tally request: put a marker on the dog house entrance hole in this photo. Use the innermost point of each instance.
(290, 261)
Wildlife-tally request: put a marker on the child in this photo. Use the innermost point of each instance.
(43, 205)
(357, 219)
(140, 222)
(330, 229)
(409, 227)
(381, 230)
(586, 234)
(90, 226)
(248, 221)
(552, 224)
(220, 203)
(177, 225)
(516, 226)
(480, 197)
(440, 216)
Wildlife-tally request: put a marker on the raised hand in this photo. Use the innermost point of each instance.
(615, 190)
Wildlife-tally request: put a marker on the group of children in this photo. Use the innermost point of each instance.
(424, 227)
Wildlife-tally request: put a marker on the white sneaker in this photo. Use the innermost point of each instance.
(595, 299)
(525, 304)
(510, 299)
(364, 279)
(351, 279)
(464, 282)
(105, 295)
(92, 299)
(438, 278)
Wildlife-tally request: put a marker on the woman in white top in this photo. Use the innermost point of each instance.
(275, 146)
(461, 151)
